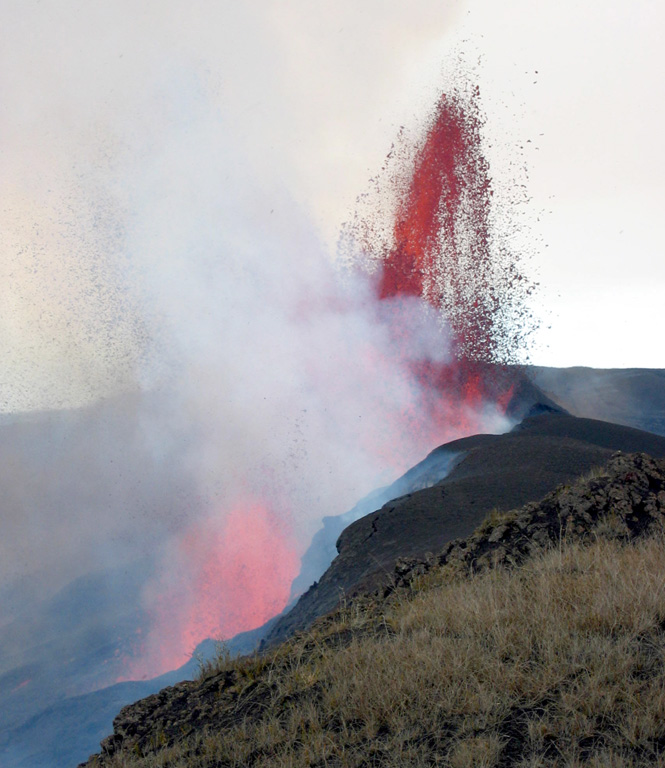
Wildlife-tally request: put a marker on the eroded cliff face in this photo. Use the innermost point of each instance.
(623, 500)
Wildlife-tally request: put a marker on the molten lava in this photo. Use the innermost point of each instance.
(442, 252)
(441, 245)
(230, 575)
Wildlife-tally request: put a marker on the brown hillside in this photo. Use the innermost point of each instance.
(537, 641)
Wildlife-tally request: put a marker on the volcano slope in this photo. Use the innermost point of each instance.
(539, 640)
(629, 397)
(45, 724)
(634, 397)
(492, 472)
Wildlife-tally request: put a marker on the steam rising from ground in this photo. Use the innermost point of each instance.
(158, 242)
(299, 382)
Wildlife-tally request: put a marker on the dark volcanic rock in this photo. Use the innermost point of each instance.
(496, 472)
(624, 500)
(527, 399)
(322, 550)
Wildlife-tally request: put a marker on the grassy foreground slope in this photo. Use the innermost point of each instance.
(538, 641)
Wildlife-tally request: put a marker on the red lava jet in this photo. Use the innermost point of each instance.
(441, 245)
(443, 252)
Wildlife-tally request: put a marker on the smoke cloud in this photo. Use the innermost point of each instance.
(93, 93)
(172, 183)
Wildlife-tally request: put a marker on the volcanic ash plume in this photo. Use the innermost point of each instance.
(274, 387)
(308, 385)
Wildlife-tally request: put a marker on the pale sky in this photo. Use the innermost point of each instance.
(598, 170)
(311, 95)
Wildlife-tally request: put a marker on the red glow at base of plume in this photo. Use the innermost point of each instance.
(249, 549)
(230, 576)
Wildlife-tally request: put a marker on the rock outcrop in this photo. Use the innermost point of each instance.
(624, 500)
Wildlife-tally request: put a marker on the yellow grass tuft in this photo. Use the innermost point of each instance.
(558, 663)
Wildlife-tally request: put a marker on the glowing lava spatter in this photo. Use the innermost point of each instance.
(443, 251)
(441, 234)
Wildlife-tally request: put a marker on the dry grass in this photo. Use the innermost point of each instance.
(494, 518)
(558, 663)
(594, 473)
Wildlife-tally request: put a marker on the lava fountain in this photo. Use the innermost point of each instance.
(225, 575)
(444, 312)
(444, 250)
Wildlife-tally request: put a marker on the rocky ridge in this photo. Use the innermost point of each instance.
(623, 500)
(487, 472)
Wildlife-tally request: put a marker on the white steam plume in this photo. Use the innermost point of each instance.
(171, 182)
